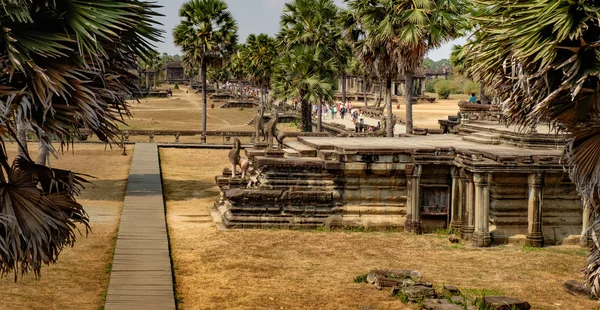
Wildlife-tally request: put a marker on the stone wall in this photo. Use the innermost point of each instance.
(561, 209)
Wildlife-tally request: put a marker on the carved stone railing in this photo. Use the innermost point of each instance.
(226, 135)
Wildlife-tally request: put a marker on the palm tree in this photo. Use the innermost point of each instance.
(238, 65)
(400, 33)
(314, 23)
(218, 75)
(302, 73)
(62, 72)
(543, 58)
(207, 36)
(260, 55)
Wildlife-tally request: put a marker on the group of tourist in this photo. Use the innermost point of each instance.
(334, 111)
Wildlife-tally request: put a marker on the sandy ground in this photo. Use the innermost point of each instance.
(284, 269)
(80, 278)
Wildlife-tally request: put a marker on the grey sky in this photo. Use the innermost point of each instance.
(253, 16)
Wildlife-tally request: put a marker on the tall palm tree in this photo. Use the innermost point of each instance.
(261, 53)
(302, 73)
(314, 23)
(400, 33)
(207, 36)
(62, 72)
(543, 57)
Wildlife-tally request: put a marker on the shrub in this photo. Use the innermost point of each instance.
(443, 89)
(471, 87)
(176, 86)
(430, 86)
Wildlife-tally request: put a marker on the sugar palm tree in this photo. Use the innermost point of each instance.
(400, 33)
(260, 55)
(207, 35)
(302, 73)
(543, 57)
(314, 23)
(62, 72)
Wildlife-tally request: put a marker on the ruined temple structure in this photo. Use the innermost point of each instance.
(491, 183)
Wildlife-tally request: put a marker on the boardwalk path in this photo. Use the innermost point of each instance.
(141, 275)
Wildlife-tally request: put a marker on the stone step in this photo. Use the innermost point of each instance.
(305, 150)
(291, 153)
(484, 135)
(477, 140)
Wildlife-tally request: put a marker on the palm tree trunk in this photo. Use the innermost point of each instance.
(262, 101)
(217, 86)
(380, 93)
(409, 99)
(306, 114)
(203, 77)
(482, 93)
(365, 89)
(22, 136)
(388, 105)
(319, 117)
(154, 75)
(343, 87)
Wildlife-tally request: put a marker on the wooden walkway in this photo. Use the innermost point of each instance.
(141, 275)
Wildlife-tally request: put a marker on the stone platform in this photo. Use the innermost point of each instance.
(489, 193)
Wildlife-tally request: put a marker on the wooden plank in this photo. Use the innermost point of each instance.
(141, 275)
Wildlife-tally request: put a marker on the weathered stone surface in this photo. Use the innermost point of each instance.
(506, 303)
(451, 290)
(460, 300)
(417, 292)
(576, 288)
(453, 238)
(415, 275)
(440, 304)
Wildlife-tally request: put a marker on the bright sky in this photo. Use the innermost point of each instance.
(253, 16)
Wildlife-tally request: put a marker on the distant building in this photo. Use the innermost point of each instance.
(175, 73)
(434, 74)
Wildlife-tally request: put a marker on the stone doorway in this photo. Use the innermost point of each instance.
(435, 204)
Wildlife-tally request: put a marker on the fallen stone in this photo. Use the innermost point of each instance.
(506, 303)
(577, 288)
(418, 292)
(459, 300)
(382, 282)
(451, 290)
(400, 274)
(374, 274)
(453, 238)
(440, 304)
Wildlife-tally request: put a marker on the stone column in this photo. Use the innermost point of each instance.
(587, 218)
(534, 210)
(469, 202)
(455, 209)
(481, 235)
(413, 201)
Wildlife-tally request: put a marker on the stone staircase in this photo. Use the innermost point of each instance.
(483, 138)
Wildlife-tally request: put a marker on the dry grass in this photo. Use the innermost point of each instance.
(183, 111)
(272, 269)
(80, 278)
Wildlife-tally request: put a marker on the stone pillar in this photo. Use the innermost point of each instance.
(394, 89)
(585, 226)
(481, 235)
(455, 209)
(468, 225)
(534, 210)
(413, 198)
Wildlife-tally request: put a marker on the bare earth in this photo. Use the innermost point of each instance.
(281, 269)
(80, 278)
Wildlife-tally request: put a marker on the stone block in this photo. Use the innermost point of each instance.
(440, 304)
(418, 292)
(577, 288)
(506, 303)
